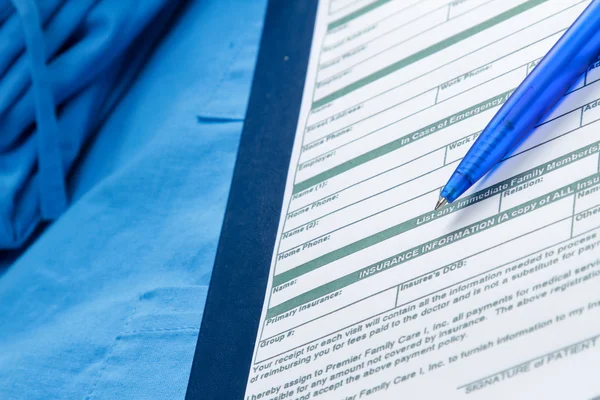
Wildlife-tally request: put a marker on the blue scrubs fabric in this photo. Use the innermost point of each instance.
(63, 63)
(107, 302)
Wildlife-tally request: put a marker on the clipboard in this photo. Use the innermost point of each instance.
(235, 298)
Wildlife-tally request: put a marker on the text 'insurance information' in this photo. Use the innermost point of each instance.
(372, 294)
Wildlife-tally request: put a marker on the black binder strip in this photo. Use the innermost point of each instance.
(231, 316)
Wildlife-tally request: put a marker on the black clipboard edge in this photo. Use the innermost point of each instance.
(235, 298)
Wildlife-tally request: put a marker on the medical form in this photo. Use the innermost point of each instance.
(372, 294)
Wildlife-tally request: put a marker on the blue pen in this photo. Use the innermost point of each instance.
(568, 59)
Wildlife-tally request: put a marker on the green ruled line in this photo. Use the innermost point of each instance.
(507, 184)
(402, 141)
(430, 246)
(356, 14)
(454, 39)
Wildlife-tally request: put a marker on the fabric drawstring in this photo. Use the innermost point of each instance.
(51, 177)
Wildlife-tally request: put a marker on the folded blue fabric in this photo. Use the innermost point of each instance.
(63, 64)
(107, 303)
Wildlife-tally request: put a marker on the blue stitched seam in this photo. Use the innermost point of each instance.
(179, 328)
(110, 353)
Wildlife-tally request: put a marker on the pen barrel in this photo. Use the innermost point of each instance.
(555, 74)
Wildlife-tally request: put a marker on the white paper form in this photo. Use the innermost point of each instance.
(372, 294)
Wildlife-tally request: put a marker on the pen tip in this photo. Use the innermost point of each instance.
(441, 202)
